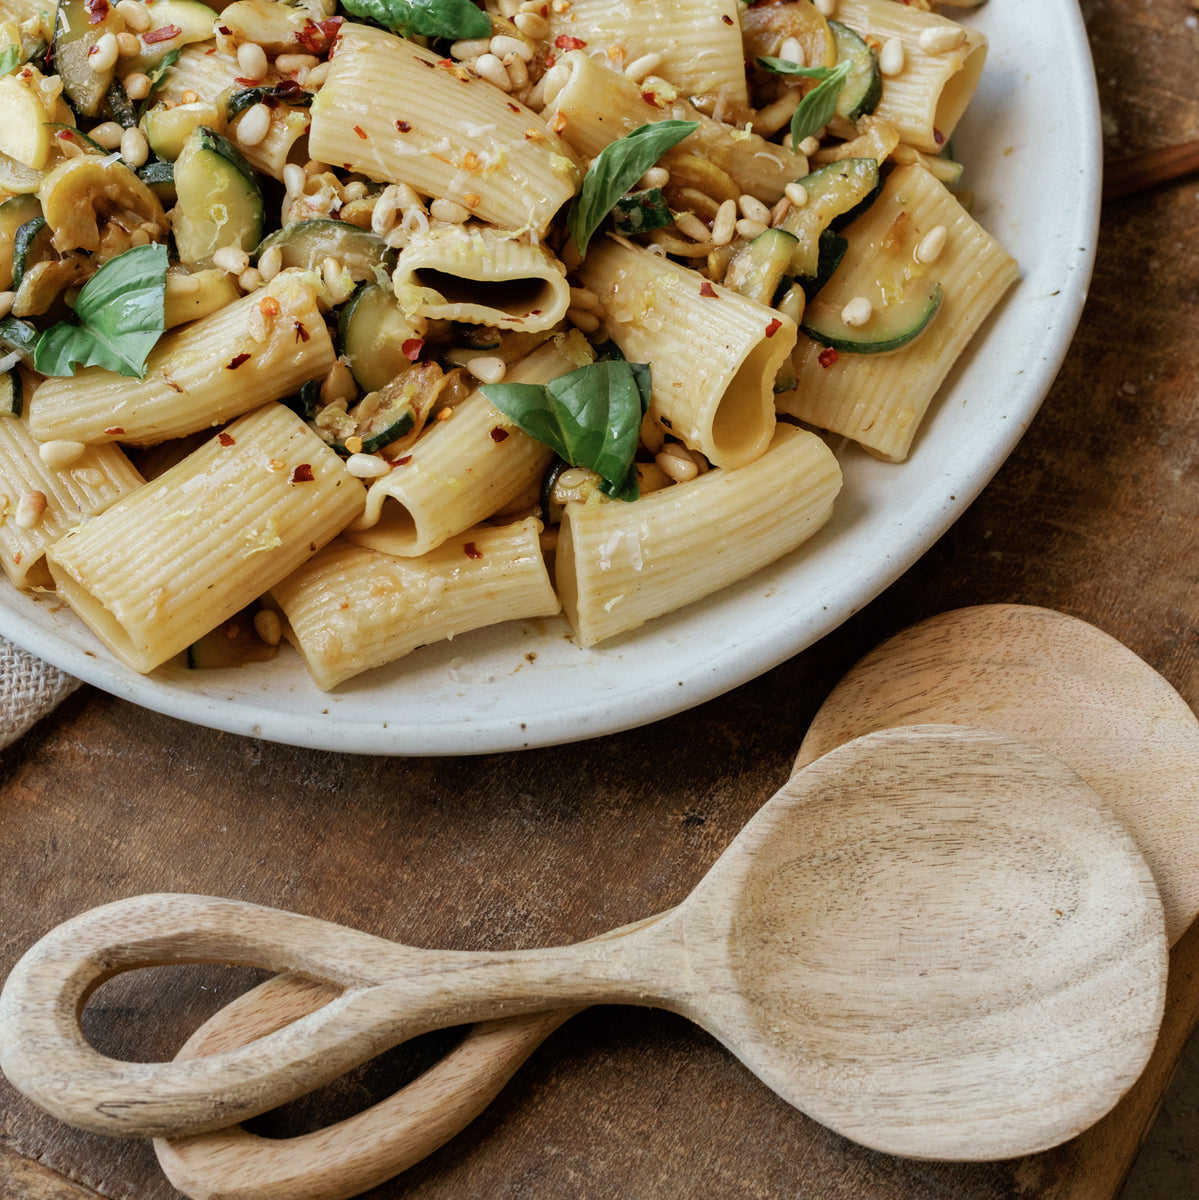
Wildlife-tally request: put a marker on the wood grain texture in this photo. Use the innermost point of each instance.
(1096, 514)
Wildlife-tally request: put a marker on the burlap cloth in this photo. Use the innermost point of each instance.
(29, 689)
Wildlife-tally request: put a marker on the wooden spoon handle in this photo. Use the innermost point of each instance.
(1138, 172)
(368, 1148)
(393, 993)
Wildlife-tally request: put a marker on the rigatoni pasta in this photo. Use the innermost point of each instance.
(511, 311)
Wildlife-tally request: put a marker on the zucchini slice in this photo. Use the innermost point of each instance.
(219, 201)
(233, 643)
(890, 328)
(18, 336)
(761, 266)
(32, 243)
(75, 35)
(832, 251)
(863, 89)
(833, 191)
(308, 243)
(11, 403)
(168, 126)
(24, 135)
(13, 214)
(173, 25)
(385, 416)
(379, 342)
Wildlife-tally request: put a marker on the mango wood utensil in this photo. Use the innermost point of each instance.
(1029, 672)
(935, 940)
(1150, 168)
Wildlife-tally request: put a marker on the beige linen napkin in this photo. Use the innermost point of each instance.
(29, 689)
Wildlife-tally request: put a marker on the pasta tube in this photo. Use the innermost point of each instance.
(597, 105)
(879, 400)
(261, 348)
(696, 44)
(460, 471)
(481, 276)
(180, 555)
(39, 503)
(351, 609)
(942, 63)
(394, 111)
(619, 565)
(715, 353)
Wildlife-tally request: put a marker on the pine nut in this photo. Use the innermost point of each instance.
(30, 508)
(469, 48)
(792, 51)
(937, 39)
(103, 55)
(724, 224)
(826, 8)
(292, 64)
(338, 384)
(691, 226)
(135, 15)
(233, 260)
(128, 45)
(585, 298)
(931, 245)
(655, 177)
(270, 263)
(137, 85)
(751, 229)
(584, 321)
(857, 312)
(487, 368)
(676, 462)
(492, 69)
(366, 466)
(532, 25)
(58, 454)
(796, 193)
(108, 134)
(254, 125)
(449, 211)
(754, 209)
(892, 57)
(251, 60)
(502, 45)
(793, 303)
(268, 626)
(134, 148)
(250, 280)
(317, 75)
(809, 146)
(6, 300)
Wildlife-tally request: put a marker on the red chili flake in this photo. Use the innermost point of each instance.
(404, 126)
(550, 59)
(287, 90)
(773, 328)
(302, 334)
(471, 550)
(446, 64)
(163, 33)
(97, 10)
(827, 356)
(302, 474)
(244, 81)
(236, 361)
(559, 122)
(226, 439)
(499, 435)
(224, 29)
(412, 348)
(360, 131)
(315, 38)
(726, 18)
(565, 42)
(17, 558)
(402, 462)
(114, 431)
(650, 98)
(706, 289)
(938, 137)
(513, 107)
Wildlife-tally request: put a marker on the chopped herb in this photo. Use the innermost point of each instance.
(455, 19)
(590, 416)
(10, 59)
(819, 106)
(615, 169)
(119, 317)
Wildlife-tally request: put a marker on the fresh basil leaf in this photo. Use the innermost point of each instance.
(784, 66)
(590, 416)
(119, 317)
(819, 106)
(615, 169)
(639, 212)
(431, 18)
(10, 59)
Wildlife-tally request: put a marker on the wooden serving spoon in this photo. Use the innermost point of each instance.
(1030, 672)
(937, 941)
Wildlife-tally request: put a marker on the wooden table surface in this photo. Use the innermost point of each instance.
(1096, 514)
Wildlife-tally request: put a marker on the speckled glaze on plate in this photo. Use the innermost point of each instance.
(1032, 133)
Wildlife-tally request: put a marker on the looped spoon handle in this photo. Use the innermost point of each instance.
(392, 993)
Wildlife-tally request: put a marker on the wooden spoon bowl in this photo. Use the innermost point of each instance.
(936, 941)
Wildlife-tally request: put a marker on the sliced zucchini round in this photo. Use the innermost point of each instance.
(159, 177)
(379, 342)
(23, 132)
(11, 401)
(14, 213)
(863, 89)
(77, 138)
(173, 25)
(833, 190)
(889, 328)
(75, 35)
(761, 266)
(377, 420)
(219, 202)
(32, 243)
(19, 336)
(168, 126)
(307, 244)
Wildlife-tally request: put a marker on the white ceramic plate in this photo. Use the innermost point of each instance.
(1031, 145)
